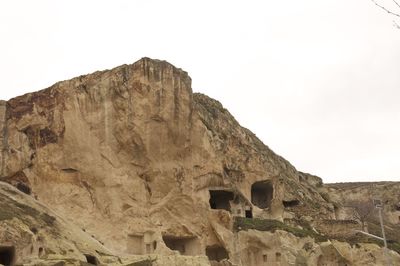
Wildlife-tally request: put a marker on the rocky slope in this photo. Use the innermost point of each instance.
(359, 198)
(387, 192)
(132, 158)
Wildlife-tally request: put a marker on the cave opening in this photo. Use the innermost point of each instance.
(278, 256)
(91, 259)
(262, 194)
(220, 199)
(290, 203)
(7, 255)
(184, 245)
(24, 188)
(41, 252)
(249, 213)
(216, 253)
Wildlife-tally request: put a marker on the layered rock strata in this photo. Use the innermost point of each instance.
(140, 163)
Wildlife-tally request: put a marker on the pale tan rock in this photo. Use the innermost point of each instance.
(142, 164)
(37, 233)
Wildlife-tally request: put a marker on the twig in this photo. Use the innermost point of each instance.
(397, 3)
(385, 9)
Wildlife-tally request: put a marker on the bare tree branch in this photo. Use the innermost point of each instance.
(363, 210)
(396, 3)
(387, 10)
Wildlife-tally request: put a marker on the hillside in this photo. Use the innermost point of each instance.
(148, 171)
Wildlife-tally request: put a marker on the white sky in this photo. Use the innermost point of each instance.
(317, 81)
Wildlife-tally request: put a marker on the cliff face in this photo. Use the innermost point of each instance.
(38, 232)
(359, 198)
(145, 166)
(364, 193)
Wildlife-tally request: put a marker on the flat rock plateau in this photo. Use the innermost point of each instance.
(129, 167)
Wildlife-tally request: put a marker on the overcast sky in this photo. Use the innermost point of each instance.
(317, 81)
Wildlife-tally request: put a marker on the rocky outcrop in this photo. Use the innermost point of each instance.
(148, 168)
(356, 201)
(32, 233)
(365, 193)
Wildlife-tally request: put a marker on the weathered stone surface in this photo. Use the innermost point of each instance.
(148, 168)
(387, 192)
(38, 234)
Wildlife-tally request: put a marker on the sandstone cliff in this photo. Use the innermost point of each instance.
(133, 159)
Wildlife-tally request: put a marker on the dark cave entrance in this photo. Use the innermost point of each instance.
(91, 259)
(262, 194)
(216, 253)
(41, 252)
(184, 245)
(219, 199)
(7, 255)
(249, 213)
(290, 203)
(24, 188)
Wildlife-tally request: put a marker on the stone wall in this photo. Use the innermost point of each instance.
(337, 228)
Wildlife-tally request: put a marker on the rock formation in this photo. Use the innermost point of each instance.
(129, 167)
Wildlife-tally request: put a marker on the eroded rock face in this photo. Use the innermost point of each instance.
(137, 160)
(30, 233)
(364, 193)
